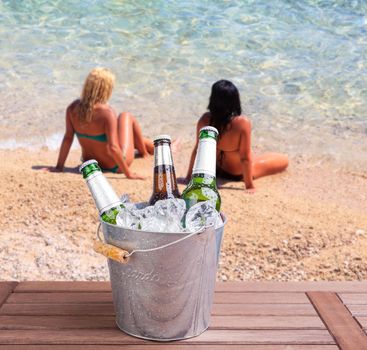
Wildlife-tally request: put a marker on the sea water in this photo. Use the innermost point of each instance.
(300, 66)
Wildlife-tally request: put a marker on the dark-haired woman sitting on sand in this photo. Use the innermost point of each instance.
(235, 160)
(103, 136)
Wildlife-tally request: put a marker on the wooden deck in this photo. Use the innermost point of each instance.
(248, 315)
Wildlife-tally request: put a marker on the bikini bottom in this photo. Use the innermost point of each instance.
(111, 170)
(224, 174)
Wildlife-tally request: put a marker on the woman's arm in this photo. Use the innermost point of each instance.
(203, 121)
(191, 164)
(66, 143)
(246, 154)
(113, 147)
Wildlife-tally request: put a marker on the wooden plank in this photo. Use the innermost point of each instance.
(170, 346)
(362, 321)
(108, 309)
(263, 310)
(86, 286)
(340, 323)
(106, 297)
(264, 337)
(266, 322)
(260, 298)
(58, 309)
(6, 289)
(63, 286)
(61, 298)
(306, 286)
(56, 322)
(353, 298)
(217, 322)
(357, 310)
(109, 336)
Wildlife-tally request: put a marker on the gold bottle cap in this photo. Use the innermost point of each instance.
(86, 163)
(209, 128)
(162, 137)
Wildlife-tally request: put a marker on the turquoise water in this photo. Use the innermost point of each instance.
(300, 67)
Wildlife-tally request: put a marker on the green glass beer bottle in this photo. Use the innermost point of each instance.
(164, 176)
(203, 184)
(107, 201)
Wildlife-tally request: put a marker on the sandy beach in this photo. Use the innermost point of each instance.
(301, 74)
(308, 223)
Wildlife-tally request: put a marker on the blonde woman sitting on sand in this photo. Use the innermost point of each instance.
(102, 136)
(235, 160)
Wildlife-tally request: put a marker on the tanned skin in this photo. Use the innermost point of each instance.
(237, 157)
(124, 135)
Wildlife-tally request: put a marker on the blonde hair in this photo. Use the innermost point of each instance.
(97, 89)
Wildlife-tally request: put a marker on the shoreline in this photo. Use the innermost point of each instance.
(308, 223)
(354, 164)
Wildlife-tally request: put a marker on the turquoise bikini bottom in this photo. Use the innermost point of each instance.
(99, 138)
(111, 170)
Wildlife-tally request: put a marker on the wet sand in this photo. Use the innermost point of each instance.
(308, 223)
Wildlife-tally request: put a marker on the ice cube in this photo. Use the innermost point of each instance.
(135, 206)
(201, 215)
(165, 216)
(152, 224)
(141, 205)
(128, 219)
(146, 212)
(173, 207)
(171, 211)
(125, 198)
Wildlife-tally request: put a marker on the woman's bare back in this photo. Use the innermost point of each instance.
(228, 147)
(92, 149)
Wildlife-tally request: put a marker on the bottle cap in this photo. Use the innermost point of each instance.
(162, 137)
(209, 128)
(88, 162)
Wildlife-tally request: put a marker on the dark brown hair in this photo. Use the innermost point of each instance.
(224, 104)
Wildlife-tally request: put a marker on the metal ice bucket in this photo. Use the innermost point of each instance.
(163, 284)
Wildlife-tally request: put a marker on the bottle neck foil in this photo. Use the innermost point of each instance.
(162, 154)
(206, 157)
(103, 194)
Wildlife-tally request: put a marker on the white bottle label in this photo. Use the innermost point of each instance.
(206, 157)
(102, 192)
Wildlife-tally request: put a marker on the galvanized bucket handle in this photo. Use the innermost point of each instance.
(122, 256)
(108, 250)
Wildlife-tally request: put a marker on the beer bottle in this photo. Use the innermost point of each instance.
(203, 184)
(164, 176)
(107, 201)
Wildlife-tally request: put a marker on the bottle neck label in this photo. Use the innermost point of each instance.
(162, 155)
(205, 161)
(204, 180)
(102, 192)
